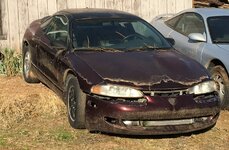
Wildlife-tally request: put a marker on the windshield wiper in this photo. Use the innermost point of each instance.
(87, 49)
(109, 49)
(101, 49)
(145, 47)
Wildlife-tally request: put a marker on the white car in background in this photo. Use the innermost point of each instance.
(202, 34)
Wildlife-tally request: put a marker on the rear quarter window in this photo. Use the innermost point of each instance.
(172, 22)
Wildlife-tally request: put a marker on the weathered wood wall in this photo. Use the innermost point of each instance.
(17, 14)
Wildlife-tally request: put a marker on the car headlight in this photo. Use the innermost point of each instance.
(202, 88)
(116, 91)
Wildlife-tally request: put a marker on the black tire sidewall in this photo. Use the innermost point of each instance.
(79, 122)
(26, 50)
(221, 71)
(29, 78)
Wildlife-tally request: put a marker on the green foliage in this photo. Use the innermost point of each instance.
(2, 141)
(63, 135)
(11, 63)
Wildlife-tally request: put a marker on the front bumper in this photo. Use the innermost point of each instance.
(155, 116)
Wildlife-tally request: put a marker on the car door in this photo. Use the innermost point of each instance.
(53, 41)
(184, 25)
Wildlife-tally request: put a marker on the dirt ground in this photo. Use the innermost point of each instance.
(33, 117)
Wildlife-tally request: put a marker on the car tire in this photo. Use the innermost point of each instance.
(219, 74)
(28, 69)
(76, 103)
(225, 1)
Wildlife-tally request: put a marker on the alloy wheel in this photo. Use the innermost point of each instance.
(72, 102)
(27, 63)
(221, 87)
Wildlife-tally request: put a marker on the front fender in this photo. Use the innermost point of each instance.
(86, 76)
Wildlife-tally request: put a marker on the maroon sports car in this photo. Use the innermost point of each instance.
(118, 74)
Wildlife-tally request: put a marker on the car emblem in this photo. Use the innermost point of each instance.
(172, 101)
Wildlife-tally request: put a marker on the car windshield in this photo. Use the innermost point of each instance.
(116, 35)
(218, 27)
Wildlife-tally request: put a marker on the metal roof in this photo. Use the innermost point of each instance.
(93, 13)
(209, 12)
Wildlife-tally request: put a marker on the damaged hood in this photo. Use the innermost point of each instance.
(145, 68)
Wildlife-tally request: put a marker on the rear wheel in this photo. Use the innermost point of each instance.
(28, 69)
(219, 74)
(76, 103)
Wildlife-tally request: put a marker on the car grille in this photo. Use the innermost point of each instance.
(171, 93)
(202, 98)
(151, 123)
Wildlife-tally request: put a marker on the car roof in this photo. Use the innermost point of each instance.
(208, 12)
(94, 13)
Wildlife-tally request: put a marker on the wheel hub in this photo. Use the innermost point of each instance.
(27, 63)
(72, 103)
(221, 87)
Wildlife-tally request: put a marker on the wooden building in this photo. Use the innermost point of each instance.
(15, 15)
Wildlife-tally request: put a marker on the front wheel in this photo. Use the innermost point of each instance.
(76, 103)
(219, 74)
(28, 70)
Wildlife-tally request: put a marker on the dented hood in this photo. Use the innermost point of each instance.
(145, 68)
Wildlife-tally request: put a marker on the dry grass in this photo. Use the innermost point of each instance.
(18, 103)
(19, 109)
(33, 117)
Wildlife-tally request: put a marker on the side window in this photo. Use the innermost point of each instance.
(144, 31)
(172, 22)
(190, 23)
(57, 30)
(46, 23)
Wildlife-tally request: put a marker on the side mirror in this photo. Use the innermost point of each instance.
(171, 41)
(198, 37)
